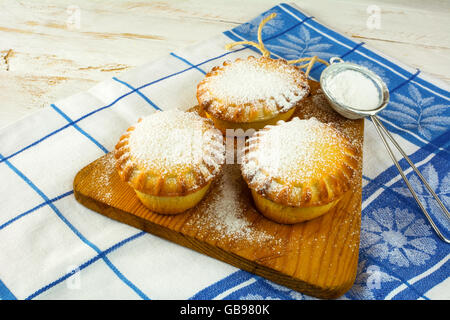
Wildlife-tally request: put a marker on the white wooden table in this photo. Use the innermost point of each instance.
(52, 49)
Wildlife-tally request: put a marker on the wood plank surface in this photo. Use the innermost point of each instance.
(45, 57)
(318, 257)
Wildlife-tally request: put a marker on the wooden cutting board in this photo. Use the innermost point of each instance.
(318, 257)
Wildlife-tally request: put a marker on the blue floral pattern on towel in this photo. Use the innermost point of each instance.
(397, 243)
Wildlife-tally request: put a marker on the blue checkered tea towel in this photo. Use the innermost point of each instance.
(51, 247)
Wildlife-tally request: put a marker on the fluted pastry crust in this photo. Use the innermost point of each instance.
(170, 153)
(301, 163)
(252, 89)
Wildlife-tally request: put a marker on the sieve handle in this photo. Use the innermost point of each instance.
(382, 131)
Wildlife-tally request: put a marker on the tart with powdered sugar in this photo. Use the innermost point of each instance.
(298, 170)
(170, 159)
(251, 93)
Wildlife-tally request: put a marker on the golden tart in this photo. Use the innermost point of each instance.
(170, 159)
(251, 93)
(298, 170)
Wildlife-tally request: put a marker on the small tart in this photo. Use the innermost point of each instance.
(298, 170)
(170, 159)
(252, 92)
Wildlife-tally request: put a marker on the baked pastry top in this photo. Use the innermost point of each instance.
(252, 89)
(300, 163)
(170, 153)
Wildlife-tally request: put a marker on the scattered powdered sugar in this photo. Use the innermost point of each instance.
(353, 89)
(173, 138)
(317, 106)
(250, 81)
(102, 180)
(223, 212)
(294, 151)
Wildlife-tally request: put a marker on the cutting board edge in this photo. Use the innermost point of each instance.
(179, 238)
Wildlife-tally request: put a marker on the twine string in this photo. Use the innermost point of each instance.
(266, 53)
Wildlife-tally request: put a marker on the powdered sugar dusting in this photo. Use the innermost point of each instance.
(103, 189)
(223, 213)
(294, 151)
(169, 139)
(317, 106)
(250, 81)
